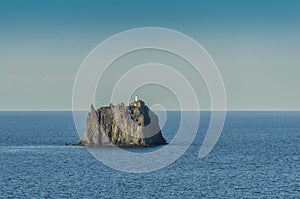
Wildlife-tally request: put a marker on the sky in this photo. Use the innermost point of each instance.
(255, 44)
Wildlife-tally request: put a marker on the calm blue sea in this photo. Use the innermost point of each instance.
(257, 155)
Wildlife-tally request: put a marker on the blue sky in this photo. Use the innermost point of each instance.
(255, 44)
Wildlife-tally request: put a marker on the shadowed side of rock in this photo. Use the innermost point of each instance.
(133, 125)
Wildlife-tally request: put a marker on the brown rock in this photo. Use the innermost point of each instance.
(133, 125)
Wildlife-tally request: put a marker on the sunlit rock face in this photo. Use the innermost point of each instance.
(120, 125)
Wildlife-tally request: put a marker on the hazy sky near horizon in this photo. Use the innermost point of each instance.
(256, 45)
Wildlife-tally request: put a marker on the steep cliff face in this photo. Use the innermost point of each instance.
(133, 125)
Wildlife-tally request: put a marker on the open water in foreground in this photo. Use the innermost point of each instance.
(257, 155)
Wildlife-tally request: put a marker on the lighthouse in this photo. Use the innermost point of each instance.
(137, 102)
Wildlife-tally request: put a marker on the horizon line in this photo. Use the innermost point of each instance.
(228, 110)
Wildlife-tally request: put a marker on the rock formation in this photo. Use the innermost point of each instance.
(120, 125)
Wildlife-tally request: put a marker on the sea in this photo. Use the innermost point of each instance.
(256, 156)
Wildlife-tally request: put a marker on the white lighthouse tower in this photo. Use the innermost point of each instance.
(136, 98)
